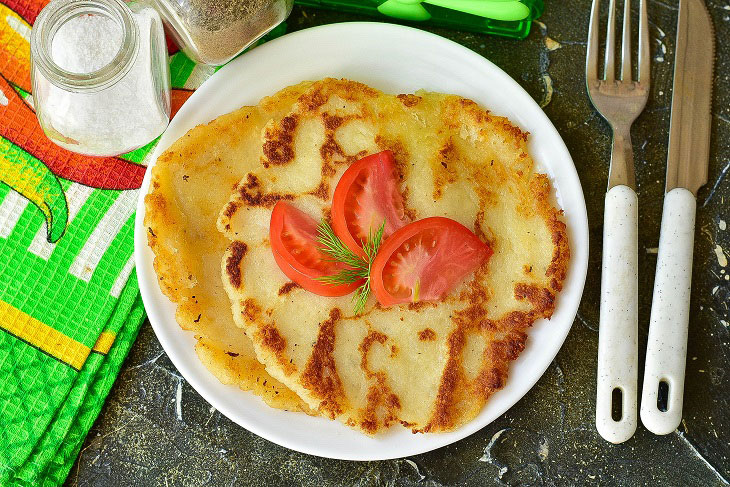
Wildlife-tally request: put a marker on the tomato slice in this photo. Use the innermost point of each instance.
(293, 236)
(425, 260)
(366, 195)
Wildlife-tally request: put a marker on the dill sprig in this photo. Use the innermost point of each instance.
(358, 268)
(334, 247)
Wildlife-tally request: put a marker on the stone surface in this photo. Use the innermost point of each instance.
(156, 430)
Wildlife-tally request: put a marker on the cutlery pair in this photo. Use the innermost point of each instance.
(620, 101)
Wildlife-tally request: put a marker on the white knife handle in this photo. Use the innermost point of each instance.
(617, 341)
(666, 351)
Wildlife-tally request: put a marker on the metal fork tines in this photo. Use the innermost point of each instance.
(619, 101)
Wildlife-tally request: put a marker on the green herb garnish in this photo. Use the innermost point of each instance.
(358, 268)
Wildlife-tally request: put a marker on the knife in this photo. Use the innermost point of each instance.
(687, 166)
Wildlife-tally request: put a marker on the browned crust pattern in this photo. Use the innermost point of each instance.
(279, 147)
(409, 100)
(322, 191)
(443, 174)
(558, 268)
(236, 251)
(250, 310)
(252, 195)
(288, 287)
(499, 354)
(320, 373)
(427, 335)
(270, 338)
(451, 377)
(382, 405)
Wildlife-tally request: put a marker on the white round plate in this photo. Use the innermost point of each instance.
(394, 59)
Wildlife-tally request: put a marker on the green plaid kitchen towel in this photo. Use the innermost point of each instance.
(69, 300)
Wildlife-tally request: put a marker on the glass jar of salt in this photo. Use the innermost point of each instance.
(215, 31)
(101, 82)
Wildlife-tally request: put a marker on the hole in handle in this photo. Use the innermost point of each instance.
(617, 404)
(662, 397)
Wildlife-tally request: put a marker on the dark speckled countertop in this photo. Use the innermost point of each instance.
(156, 430)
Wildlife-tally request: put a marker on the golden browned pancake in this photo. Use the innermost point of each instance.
(190, 183)
(429, 366)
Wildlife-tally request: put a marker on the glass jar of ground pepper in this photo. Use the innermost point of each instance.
(215, 31)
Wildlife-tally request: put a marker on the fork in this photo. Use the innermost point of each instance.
(619, 101)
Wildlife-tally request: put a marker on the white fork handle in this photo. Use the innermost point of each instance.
(617, 341)
(666, 351)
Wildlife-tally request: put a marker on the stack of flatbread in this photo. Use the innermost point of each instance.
(428, 366)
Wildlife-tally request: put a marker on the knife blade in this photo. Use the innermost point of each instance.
(689, 129)
(687, 167)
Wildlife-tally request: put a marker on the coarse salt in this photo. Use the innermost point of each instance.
(86, 43)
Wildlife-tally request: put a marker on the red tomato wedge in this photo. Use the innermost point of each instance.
(425, 260)
(293, 236)
(366, 195)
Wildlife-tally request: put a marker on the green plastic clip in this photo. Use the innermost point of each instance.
(506, 18)
(507, 10)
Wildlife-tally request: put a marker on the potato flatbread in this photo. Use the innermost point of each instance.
(428, 366)
(190, 183)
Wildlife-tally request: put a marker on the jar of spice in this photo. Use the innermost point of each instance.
(101, 82)
(215, 31)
